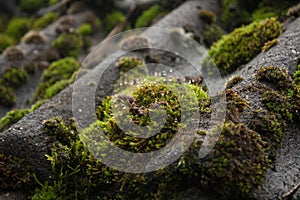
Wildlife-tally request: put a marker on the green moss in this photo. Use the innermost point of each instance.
(148, 16)
(8, 96)
(85, 29)
(13, 77)
(13, 173)
(68, 44)
(45, 20)
(208, 16)
(55, 77)
(46, 193)
(5, 41)
(243, 44)
(263, 13)
(112, 19)
(234, 81)
(212, 33)
(268, 45)
(17, 27)
(127, 63)
(32, 5)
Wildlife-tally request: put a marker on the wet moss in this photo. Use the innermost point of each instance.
(45, 20)
(112, 19)
(55, 77)
(268, 45)
(243, 44)
(147, 17)
(5, 41)
(68, 44)
(207, 16)
(17, 27)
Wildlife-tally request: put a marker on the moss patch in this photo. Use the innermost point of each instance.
(68, 44)
(17, 27)
(45, 20)
(243, 44)
(112, 19)
(5, 41)
(148, 16)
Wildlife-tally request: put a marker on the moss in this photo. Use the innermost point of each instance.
(235, 105)
(268, 45)
(85, 29)
(8, 96)
(276, 75)
(127, 63)
(148, 16)
(263, 13)
(243, 44)
(32, 5)
(46, 192)
(5, 41)
(13, 173)
(17, 27)
(112, 19)
(68, 44)
(34, 37)
(92, 19)
(13, 77)
(212, 33)
(45, 20)
(234, 80)
(207, 16)
(14, 54)
(60, 70)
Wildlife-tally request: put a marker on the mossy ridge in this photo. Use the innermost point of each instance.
(243, 44)
(56, 78)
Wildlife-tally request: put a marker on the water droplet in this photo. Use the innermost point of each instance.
(131, 82)
(125, 82)
(171, 70)
(164, 73)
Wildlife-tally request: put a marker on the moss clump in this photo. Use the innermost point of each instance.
(127, 63)
(45, 20)
(8, 96)
(60, 70)
(14, 54)
(5, 41)
(207, 16)
(17, 27)
(13, 173)
(268, 45)
(276, 75)
(243, 44)
(112, 19)
(234, 81)
(68, 44)
(32, 5)
(148, 16)
(85, 29)
(212, 33)
(34, 37)
(13, 77)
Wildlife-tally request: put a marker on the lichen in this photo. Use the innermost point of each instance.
(243, 44)
(148, 16)
(68, 44)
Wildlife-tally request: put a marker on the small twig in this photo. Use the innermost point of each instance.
(291, 192)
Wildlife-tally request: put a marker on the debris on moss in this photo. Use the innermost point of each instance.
(207, 16)
(234, 81)
(34, 37)
(17, 27)
(60, 70)
(5, 41)
(268, 45)
(243, 44)
(45, 20)
(68, 44)
(148, 16)
(112, 19)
